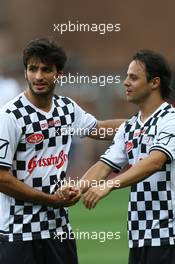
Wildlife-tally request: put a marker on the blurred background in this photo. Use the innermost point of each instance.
(143, 24)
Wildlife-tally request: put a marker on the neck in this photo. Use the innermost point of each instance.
(149, 106)
(43, 102)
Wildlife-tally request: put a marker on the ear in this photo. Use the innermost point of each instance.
(155, 83)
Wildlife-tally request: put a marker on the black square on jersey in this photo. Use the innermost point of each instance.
(161, 186)
(65, 110)
(46, 189)
(72, 117)
(20, 165)
(65, 139)
(29, 109)
(140, 196)
(164, 223)
(18, 219)
(133, 206)
(17, 113)
(148, 205)
(37, 182)
(53, 179)
(18, 104)
(155, 233)
(135, 225)
(39, 146)
(143, 148)
(50, 215)
(50, 122)
(52, 142)
(27, 120)
(63, 120)
(45, 133)
(146, 186)
(149, 224)
(36, 127)
(163, 205)
(156, 214)
(44, 225)
(26, 228)
(28, 210)
(40, 116)
(142, 215)
(155, 196)
(35, 218)
(21, 147)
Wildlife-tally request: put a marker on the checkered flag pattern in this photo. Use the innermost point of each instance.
(38, 156)
(151, 206)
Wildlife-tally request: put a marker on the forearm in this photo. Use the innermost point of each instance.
(140, 171)
(19, 190)
(97, 172)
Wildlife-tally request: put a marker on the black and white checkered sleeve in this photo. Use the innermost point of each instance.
(84, 122)
(9, 137)
(115, 156)
(165, 137)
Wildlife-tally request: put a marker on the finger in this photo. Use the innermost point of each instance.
(60, 195)
(94, 203)
(88, 201)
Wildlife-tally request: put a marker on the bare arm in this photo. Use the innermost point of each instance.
(143, 169)
(106, 129)
(19, 190)
(97, 172)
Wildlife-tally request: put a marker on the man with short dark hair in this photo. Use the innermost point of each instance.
(147, 144)
(34, 224)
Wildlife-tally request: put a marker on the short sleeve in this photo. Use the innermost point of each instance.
(165, 136)
(9, 136)
(115, 156)
(83, 122)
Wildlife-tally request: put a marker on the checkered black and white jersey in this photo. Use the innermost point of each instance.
(35, 145)
(151, 209)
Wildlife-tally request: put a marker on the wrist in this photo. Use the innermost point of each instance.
(84, 185)
(113, 184)
(53, 200)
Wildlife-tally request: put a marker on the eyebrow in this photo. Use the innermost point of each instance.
(132, 75)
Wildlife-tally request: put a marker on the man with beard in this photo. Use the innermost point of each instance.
(33, 162)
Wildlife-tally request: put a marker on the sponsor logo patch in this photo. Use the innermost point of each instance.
(35, 138)
(58, 161)
(129, 146)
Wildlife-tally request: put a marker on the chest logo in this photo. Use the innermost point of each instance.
(58, 161)
(35, 138)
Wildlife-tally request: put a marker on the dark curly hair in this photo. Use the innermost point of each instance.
(46, 51)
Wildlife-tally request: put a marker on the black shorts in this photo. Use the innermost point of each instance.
(152, 255)
(45, 251)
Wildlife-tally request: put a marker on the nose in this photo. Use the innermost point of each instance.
(126, 82)
(39, 75)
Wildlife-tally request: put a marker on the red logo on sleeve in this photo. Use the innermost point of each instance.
(129, 146)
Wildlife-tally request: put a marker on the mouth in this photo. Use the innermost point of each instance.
(128, 92)
(40, 86)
